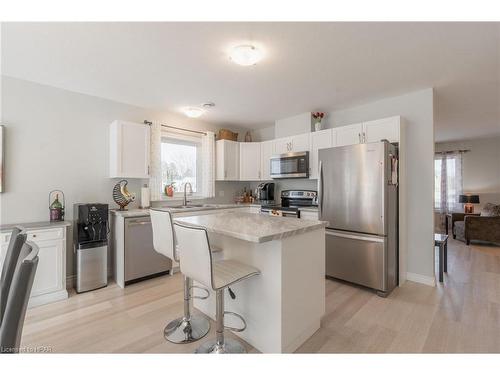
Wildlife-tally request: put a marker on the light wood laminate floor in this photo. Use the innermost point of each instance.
(460, 315)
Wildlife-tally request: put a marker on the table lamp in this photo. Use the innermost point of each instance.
(469, 201)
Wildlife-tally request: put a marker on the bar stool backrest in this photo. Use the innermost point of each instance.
(163, 233)
(195, 255)
(17, 301)
(17, 240)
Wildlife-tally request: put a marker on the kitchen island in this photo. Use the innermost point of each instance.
(282, 306)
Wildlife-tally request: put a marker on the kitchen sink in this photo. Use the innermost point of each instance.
(189, 206)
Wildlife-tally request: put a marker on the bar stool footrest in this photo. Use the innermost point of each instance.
(235, 329)
(201, 288)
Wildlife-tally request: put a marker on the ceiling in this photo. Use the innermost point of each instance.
(307, 67)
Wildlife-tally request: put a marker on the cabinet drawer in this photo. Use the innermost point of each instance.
(45, 234)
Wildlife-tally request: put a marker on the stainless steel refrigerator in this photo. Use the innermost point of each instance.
(358, 196)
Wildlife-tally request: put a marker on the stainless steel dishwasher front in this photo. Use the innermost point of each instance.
(141, 260)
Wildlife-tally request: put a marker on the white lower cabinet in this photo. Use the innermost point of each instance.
(50, 277)
(309, 215)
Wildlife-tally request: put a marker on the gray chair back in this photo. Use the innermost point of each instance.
(17, 240)
(17, 301)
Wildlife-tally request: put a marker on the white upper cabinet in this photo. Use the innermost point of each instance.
(250, 167)
(294, 143)
(319, 140)
(300, 142)
(370, 131)
(349, 135)
(228, 160)
(387, 128)
(266, 151)
(282, 145)
(129, 150)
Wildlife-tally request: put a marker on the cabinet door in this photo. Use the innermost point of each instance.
(250, 161)
(387, 128)
(129, 150)
(232, 161)
(266, 151)
(349, 135)
(319, 140)
(282, 146)
(220, 169)
(228, 160)
(309, 215)
(49, 273)
(300, 142)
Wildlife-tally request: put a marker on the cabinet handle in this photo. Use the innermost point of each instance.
(34, 235)
(359, 137)
(364, 137)
(148, 170)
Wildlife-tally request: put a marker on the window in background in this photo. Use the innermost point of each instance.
(181, 162)
(447, 181)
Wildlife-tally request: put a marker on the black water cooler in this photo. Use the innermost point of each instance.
(91, 246)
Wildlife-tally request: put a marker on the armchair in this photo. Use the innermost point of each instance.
(472, 227)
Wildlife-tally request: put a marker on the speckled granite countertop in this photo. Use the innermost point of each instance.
(145, 212)
(251, 227)
(35, 225)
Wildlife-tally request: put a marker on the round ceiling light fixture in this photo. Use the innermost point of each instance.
(193, 112)
(245, 55)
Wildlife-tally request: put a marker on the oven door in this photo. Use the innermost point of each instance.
(291, 165)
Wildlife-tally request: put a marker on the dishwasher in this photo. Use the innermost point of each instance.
(141, 260)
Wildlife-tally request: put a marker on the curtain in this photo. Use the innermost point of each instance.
(208, 164)
(449, 184)
(155, 183)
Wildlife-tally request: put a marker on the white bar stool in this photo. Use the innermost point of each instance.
(196, 262)
(188, 328)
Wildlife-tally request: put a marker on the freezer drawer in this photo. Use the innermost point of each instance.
(356, 258)
(91, 267)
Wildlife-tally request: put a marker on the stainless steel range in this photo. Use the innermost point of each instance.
(291, 202)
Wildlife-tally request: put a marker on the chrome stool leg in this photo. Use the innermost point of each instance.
(188, 328)
(220, 345)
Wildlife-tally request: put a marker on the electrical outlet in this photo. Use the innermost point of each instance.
(221, 193)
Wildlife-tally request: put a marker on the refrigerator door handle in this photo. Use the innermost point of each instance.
(356, 236)
(320, 188)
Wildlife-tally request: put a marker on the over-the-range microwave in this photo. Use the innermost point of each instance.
(290, 165)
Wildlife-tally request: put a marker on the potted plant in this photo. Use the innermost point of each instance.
(317, 116)
(169, 189)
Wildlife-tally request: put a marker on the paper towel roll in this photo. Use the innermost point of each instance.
(145, 197)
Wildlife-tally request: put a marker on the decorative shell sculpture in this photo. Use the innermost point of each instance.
(121, 195)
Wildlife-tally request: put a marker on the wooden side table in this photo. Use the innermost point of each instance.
(441, 240)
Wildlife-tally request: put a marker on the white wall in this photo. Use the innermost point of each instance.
(481, 167)
(56, 139)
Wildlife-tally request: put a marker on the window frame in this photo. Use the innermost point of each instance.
(188, 139)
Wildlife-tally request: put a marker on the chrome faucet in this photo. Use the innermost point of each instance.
(185, 202)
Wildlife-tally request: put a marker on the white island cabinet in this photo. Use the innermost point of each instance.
(282, 306)
(50, 277)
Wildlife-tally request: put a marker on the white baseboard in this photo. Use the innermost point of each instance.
(422, 279)
(47, 298)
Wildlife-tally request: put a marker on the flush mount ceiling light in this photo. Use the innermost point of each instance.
(245, 55)
(193, 112)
